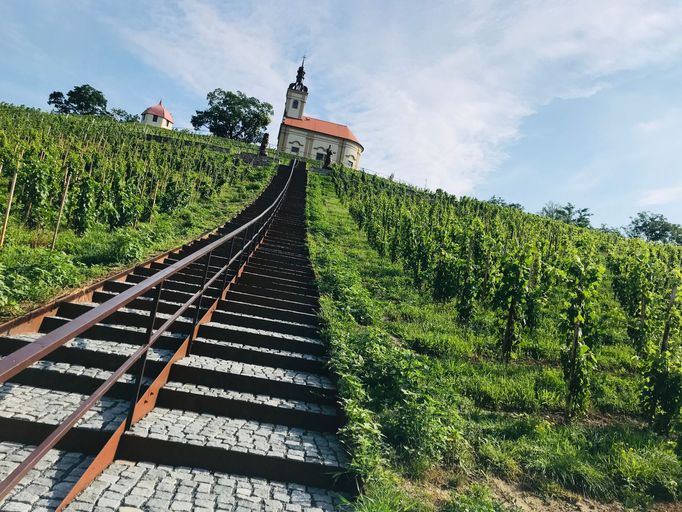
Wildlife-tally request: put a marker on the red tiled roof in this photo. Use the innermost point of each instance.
(317, 125)
(160, 110)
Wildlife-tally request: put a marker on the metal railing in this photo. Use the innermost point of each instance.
(241, 243)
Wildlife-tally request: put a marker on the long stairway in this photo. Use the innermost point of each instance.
(248, 421)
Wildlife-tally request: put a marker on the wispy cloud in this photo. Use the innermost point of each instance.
(661, 196)
(435, 93)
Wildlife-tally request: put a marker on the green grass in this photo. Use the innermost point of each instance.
(423, 393)
(31, 274)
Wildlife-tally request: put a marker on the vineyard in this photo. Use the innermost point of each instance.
(477, 338)
(479, 351)
(81, 195)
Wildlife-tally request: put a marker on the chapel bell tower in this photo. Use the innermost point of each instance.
(297, 95)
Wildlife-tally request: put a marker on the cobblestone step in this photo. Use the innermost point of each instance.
(251, 378)
(285, 273)
(265, 324)
(309, 300)
(51, 407)
(167, 294)
(127, 317)
(262, 338)
(259, 407)
(264, 356)
(296, 248)
(242, 401)
(274, 313)
(257, 298)
(146, 486)
(175, 284)
(279, 257)
(291, 285)
(226, 444)
(278, 263)
(241, 435)
(43, 488)
(116, 333)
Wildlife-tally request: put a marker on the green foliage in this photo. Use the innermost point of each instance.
(81, 100)
(118, 175)
(476, 498)
(577, 359)
(234, 116)
(35, 188)
(421, 385)
(654, 227)
(569, 214)
(82, 215)
(662, 391)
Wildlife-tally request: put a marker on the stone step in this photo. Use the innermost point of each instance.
(258, 299)
(145, 486)
(274, 313)
(267, 291)
(278, 382)
(262, 338)
(43, 488)
(51, 407)
(261, 449)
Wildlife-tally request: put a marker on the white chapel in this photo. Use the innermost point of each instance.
(310, 137)
(157, 115)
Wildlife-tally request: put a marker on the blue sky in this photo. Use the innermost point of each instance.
(533, 101)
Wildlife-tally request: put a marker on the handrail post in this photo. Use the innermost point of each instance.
(197, 312)
(137, 385)
(227, 267)
(246, 243)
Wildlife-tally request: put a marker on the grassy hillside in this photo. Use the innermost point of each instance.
(128, 192)
(441, 415)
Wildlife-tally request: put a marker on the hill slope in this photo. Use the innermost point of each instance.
(113, 193)
(442, 388)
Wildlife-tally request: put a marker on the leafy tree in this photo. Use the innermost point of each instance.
(610, 230)
(122, 116)
(82, 100)
(234, 116)
(569, 214)
(497, 200)
(654, 227)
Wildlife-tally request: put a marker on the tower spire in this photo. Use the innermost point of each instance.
(300, 75)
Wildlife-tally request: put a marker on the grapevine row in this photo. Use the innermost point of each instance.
(531, 271)
(77, 171)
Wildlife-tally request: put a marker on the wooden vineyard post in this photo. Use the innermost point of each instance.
(61, 209)
(8, 209)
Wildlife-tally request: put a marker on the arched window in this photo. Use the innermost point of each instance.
(294, 104)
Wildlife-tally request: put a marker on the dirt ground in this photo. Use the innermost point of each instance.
(513, 495)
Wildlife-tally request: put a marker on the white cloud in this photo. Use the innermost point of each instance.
(434, 93)
(661, 196)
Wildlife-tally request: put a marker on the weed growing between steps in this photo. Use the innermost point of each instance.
(431, 414)
(31, 274)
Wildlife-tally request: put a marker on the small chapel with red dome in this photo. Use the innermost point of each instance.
(158, 116)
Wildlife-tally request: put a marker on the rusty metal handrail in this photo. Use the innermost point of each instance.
(22, 358)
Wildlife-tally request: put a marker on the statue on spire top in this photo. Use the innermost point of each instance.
(298, 84)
